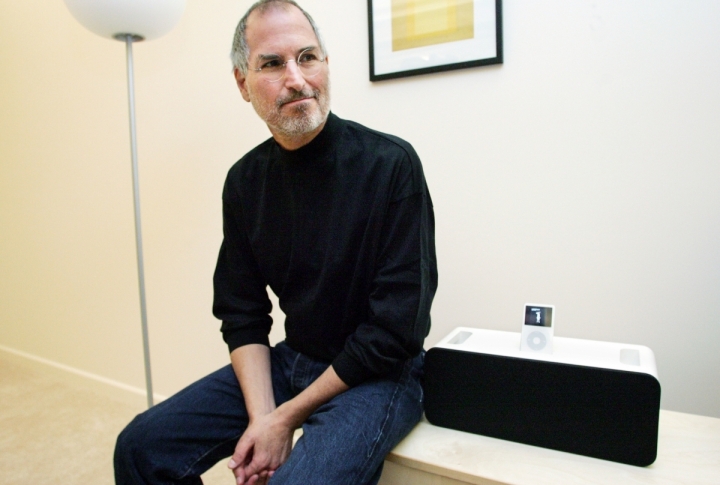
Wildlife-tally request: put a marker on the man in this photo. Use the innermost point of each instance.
(337, 220)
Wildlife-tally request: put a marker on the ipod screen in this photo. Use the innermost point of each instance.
(538, 316)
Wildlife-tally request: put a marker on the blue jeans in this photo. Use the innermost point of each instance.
(344, 441)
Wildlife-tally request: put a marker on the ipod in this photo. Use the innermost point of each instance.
(537, 329)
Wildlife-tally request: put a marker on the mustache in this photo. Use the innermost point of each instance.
(297, 95)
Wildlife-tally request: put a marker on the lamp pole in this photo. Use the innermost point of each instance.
(129, 39)
(149, 20)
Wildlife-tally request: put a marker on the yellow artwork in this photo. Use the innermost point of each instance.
(419, 23)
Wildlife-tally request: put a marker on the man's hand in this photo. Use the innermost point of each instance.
(264, 446)
(252, 368)
(267, 441)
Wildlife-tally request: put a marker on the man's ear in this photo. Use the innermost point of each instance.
(241, 79)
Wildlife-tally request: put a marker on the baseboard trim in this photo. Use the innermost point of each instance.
(131, 392)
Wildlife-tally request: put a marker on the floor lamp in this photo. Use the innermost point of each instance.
(131, 21)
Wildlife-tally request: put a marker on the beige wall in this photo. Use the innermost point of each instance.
(583, 172)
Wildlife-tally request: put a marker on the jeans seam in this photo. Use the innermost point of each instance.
(194, 462)
(296, 360)
(402, 382)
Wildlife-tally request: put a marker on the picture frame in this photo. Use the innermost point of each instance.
(412, 37)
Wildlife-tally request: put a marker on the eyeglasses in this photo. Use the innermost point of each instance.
(273, 68)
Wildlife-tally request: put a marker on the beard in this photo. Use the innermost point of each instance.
(301, 119)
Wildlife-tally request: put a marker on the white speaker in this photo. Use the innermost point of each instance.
(598, 399)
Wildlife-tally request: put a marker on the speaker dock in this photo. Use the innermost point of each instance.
(598, 399)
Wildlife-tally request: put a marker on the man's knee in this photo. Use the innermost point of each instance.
(130, 439)
(137, 442)
(128, 446)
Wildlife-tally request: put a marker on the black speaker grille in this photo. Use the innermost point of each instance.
(602, 413)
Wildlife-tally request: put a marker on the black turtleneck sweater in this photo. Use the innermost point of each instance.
(342, 230)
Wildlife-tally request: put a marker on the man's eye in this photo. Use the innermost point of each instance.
(307, 57)
(273, 64)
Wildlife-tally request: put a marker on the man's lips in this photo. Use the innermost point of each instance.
(297, 99)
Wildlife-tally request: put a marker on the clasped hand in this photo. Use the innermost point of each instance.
(264, 446)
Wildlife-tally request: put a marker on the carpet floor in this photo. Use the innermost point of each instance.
(61, 429)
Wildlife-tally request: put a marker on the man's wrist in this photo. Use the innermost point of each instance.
(289, 416)
(256, 414)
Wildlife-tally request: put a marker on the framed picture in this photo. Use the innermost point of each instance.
(410, 37)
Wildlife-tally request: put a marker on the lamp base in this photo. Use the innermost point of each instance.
(124, 37)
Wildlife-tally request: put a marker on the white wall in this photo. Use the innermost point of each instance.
(583, 172)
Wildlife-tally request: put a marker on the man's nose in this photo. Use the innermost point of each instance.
(293, 76)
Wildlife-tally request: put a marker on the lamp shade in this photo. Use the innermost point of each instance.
(148, 19)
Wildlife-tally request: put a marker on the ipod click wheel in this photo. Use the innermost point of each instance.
(537, 329)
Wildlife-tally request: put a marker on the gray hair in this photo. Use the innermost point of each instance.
(240, 52)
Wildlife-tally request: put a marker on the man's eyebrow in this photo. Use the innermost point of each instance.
(306, 48)
(264, 57)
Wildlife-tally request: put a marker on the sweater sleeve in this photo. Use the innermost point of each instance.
(403, 286)
(241, 299)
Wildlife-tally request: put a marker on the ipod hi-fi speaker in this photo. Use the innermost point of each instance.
(590, 398)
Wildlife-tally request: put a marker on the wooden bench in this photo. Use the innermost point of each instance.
(688, 453)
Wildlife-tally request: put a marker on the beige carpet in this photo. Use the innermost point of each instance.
(61, 429)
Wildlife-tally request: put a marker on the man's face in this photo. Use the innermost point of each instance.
(295, 106)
